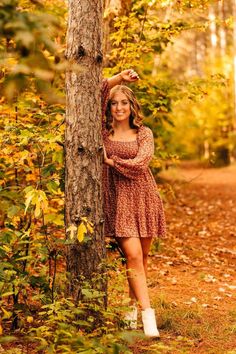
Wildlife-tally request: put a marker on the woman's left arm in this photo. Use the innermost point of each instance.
(132, 168)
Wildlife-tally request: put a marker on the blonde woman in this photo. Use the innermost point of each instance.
(133, 209)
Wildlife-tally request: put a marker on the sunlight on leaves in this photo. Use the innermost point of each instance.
(37, 198)
(82, 229)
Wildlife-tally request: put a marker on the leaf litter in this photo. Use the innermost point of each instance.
(196, 265)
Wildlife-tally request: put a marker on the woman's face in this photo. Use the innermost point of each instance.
(120, 107)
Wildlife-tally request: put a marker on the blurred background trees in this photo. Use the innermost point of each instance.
(184, 52)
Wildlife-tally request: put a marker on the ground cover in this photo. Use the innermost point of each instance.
(192, 273)
(193, 276)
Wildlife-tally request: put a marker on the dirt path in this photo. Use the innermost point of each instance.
(193, 276)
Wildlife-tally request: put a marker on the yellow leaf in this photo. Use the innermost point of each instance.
(37, 198)
(6, 314)
(88, 224)
(1, 330)
(6, 248)
(81, 232)
(37, 211)
(29, 196)
(29, 319)
(71, 229)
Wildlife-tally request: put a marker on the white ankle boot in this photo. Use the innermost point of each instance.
(131, 318)
(149, 323)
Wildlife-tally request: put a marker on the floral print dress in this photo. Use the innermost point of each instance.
(132, 204)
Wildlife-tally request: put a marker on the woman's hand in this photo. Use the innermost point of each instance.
(107, 161)
(129, 75)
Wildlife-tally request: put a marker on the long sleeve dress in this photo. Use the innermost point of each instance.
(132, 204)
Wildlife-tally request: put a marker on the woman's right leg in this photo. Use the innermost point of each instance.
(146, 245)
(132, 249)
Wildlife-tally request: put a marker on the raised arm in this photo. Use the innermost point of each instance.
(124, 76)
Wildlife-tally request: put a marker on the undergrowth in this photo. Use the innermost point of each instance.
(63, 326)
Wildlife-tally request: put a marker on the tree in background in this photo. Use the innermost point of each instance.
(112, 9)
(171, 45)
(209, 69)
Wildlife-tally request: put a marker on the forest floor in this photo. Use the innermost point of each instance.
(192, 277)
(192, 272)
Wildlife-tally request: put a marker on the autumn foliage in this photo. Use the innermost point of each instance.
(181, 90)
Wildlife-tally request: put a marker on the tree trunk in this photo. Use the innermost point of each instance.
(234, 60)
(222, 33)
(213, 35)
(83, 146)
(157, 57)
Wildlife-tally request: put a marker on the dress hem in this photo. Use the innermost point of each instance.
(116, 236)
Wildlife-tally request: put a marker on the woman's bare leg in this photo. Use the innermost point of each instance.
(146, 245)
(132, 248)
(132, 296)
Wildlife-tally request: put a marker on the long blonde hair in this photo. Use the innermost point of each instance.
(136, 117)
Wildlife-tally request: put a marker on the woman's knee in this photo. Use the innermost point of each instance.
(134, 258)
(132, 250)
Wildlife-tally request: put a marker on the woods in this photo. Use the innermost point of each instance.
(53, 56)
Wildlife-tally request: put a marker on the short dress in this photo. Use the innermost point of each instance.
(132, 204)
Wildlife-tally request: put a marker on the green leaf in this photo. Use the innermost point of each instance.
(52, 186)
(57, 219)
(12, 211)
(9, 293)
(6, 314)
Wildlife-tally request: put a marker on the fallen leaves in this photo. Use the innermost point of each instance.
(195, 268)
(209, 278)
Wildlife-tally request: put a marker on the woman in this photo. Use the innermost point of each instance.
(133, 208)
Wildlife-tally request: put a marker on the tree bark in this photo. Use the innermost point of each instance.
(83, 145)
